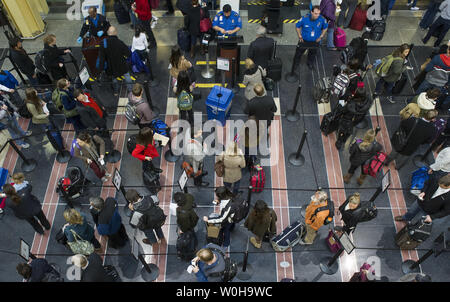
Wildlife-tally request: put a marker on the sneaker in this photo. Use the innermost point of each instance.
(154, 18)
(25, 146)
(29, 132)
(1, 211)
(390, 99)
(414, 8)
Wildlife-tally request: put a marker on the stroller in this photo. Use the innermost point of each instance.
(72, 185)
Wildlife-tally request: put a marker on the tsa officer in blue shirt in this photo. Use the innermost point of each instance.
(310, 29)
(227, 22)
(95, 24)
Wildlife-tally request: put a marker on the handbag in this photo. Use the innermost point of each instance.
(205, 23)
(400, 139)
(213, 230)
(80, 246)
(219, 168)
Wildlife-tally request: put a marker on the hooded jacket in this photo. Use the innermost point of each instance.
(438, 70)
(186, 217)
(143, 110)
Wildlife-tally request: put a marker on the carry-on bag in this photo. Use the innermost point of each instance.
(289, 237)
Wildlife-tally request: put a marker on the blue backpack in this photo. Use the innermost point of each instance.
(418, 179)
(160, 127)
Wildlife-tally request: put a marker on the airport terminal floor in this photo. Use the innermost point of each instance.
(297, 159)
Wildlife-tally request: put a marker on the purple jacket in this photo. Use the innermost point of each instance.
(328, 11)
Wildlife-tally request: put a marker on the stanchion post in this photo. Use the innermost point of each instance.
(375, 195)
(169, 156)
(293, 115)
(291, 76)
(233, 76)
(331, 267)
(411, 266)
(249, 194)
(149, 272)
(297, 159)
(207, 73)
(246, 270)
(28, 165)
(155, 109)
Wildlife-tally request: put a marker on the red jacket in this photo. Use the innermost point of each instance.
(140, 152)
(143, 10)
(91, 103)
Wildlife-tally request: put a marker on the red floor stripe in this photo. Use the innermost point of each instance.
(280, 197)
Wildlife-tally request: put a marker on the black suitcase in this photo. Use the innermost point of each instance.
(329, 123)
(377, 30)
(55, 138)
(121, 12)
(186, 245)
(151, 181)
(289, 237)
(412, 235)
(274, 66)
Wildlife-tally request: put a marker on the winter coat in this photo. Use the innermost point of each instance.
(233, 165)
(52, 58)
(358, 157)
(261, 51)
(211, 273)
(186, 217)
(437, 207)
(412, 109)
(357, 110)
(183, 65)
(192, 20)
(23, 61)
(95, 272)
(89, 117)
(442, 161)
(8, 80)
(350, 217)
(259, 227)
(328, 11)
(140, 152)
(143, 110)
(316, 221)
(85, 152)
(395, 70)
(69, 103)
(143, 10)
(423, 133)
(39, 117)
(262, 108)
(39, 268)
(108, 220)
(29, 205)
(84, 230)
(145, 207)
(438, 70)
(194, 154)
(115, 55)
(251, 78)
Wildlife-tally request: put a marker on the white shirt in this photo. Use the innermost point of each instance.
(442, 161)
(139, 43)
(4, 88)
(439, 192)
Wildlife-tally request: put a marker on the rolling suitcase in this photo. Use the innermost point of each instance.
(412, 235)
(258, 178)
(274, 66)
(329, 123)
(186, 245)
(55, 138)
(377, 31)
(184, 39)
(121, 12)
(151, 181)
(118, 239)
(359, 19)
(289, 237)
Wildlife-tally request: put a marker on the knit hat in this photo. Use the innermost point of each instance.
(424, 102)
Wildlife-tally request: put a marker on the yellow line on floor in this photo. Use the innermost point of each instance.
(213, 63)
(211, 85)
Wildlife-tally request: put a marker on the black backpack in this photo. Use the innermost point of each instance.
(366, 212)
(231, 267)
(131, 143)
(152, 219)
(240, 208)
(377, 31)
(39, 62)
(330, 207)
(347, 54)
(52, 276)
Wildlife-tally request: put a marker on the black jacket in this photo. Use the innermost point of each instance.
(423, 133)
(89, 117)
(437, 207)
(350, 217)
(52, 58)
(357, 110)
(261, 51)
(95, 272)
(262, 107)
(359, 157)
(186, 217)
(115, 54)
(88, 26)
(23, 61)
(29, 205)
(39, 267)
(192, 20)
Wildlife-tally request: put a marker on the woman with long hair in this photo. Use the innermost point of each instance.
(360, 151)
(140, 44)
(185, 99)
(145, 149)
(77, 222)
(253, 75)
(177, 63)
(261, 221)
(26, 206)
(233, 160)
(36, 107)
(350, 215)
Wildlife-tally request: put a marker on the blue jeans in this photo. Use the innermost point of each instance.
(150, 234)
(429, 15)
(424, 86)
(76, 122)
(14, 130)
(330, 37)
(386, 85)
(234, 185)
(392, 2)
(414, 3)
(133, 18)
(226, 229)
(436, 27)
(128, 80)
(413, 211)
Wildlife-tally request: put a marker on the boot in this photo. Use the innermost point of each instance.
(347, 177)
(361, 179)
(192, 53)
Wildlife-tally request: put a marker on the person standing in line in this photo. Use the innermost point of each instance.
(8, 120)
(261, 106)
(185, 99)
(78, 223)
(234, 161)
(187, 218)
(26, 206)
(261, 221)
(178, 63)
(194, 154)
(92, 269)
(36, 107)
(441, 25)
(145, 113)
(145, 150)
(348, 8)
(314, 219)
(38, 270)
(69, 105)
(328, 11)
(144, 12)
(350, 213)
(53, 58)
(23, 60)
(253, 76)
(261, 49)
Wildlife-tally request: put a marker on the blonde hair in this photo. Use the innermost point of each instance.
(205, 255)
(49, 39)
(72, 216)
(232, 149)
(323, 196)
(355, 198)
(249, 63)
(368, 139)
(18, 178)
(79, 260)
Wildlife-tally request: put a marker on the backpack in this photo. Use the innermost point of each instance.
(418, 179)
(160, 127)
(366, 212)
(56, 98)
(52, 276)
(383, 68)
(73, 146)
(347, 54)
(154, 218)
(437, 76)
(231, 267)
(440, 126)
(330, 208)
(377, 30)
(130, 112)
(185, 100)
(240, 208)
(340, 84)
(39, 62)
(375, 164)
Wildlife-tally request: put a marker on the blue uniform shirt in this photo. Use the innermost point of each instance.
(230, 23)
(311, 30)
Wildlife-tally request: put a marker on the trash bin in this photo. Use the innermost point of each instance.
(218, 104)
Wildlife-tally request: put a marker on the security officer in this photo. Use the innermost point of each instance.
(227, 22)
(95, 24)
(310, 29)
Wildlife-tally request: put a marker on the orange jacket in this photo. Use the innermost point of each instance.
(316, 221)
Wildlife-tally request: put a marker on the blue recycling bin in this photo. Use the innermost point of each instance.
(218, 104)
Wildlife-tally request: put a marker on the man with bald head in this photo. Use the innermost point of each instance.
(95, 24)
(113, 56)
(261, 50)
